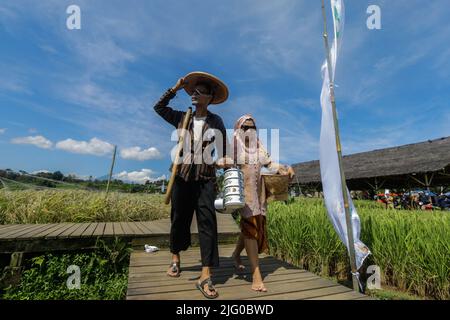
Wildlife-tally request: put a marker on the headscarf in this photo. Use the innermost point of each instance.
(254, 151)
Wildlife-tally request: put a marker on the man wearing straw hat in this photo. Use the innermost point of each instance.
(194, 187)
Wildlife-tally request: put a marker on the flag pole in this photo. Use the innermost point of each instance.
(339, 153)
(111, 171)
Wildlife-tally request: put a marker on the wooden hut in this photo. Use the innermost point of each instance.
(425, 164)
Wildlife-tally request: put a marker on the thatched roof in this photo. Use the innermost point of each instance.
(412, 159)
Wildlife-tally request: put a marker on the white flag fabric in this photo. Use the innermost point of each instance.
(329, 165)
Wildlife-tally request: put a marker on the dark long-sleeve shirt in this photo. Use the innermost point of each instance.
(189, 170)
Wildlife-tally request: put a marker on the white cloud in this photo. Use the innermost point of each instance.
(38, 141)
(94, 146)
(138, 176)
(40, 171)
(2, 130)
(136, 153)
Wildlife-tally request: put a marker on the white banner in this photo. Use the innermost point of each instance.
(329, 165)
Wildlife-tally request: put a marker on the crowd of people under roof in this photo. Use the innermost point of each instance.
(415, 200)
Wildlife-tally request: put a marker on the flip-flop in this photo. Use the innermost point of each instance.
(175, 269)
(239, 267)
(201, 287)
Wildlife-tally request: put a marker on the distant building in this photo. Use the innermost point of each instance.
(424, 164)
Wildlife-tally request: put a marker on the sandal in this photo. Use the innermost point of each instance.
(237, 266)
(175, 269)
(201, 287)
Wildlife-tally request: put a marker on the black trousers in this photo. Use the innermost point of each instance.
(188, 197)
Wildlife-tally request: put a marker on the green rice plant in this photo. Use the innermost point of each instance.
(54, 206)
(412, 248)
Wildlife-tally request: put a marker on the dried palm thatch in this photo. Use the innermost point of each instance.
(419, 164)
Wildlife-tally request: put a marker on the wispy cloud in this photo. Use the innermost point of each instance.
(38, 141)
(136, 153)
(94, 146)
(48, 48)
(2, 130)
(14, 83)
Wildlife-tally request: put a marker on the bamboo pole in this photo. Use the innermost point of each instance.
(175, 164)
(111, 170)
(339, 153)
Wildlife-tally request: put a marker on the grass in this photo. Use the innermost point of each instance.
(54, 206)
(412, 248)
(103, 276)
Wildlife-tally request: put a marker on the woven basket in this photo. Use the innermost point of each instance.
(277, 186)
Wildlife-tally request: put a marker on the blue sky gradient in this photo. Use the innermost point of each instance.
(101, 82)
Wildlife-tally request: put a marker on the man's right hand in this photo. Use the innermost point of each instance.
(179, 85)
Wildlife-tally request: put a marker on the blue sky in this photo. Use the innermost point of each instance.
(67, 96)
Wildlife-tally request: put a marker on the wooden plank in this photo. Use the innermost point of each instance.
(220, 283)
(127, 229)
(144, 228)
(349, 295)
(43, 233)
(109, 231)
(9, 234)
(136, 273)
(162, 283)
(27, 232)
(36, 233)
(57, 232)
(304, 294)
(89, 230)
(135, 228)
(146, 271)
(161, 279)
(276, 290)
(147, 279)
(5, 227)
(160, 227)
(79, 231)
(191, 254)
(194, 261)
(99, 229)
(366, 298)
(154, 228)
(141, 227)
(67, 232)
(118, 231)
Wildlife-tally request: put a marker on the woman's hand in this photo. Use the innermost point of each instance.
(180, 84)
(286, 170)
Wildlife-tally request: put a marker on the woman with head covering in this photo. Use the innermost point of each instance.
(251, 156)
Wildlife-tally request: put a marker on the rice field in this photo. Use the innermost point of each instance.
(54, 206)
(412, 248)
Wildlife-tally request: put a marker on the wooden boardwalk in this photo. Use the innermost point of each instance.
(75, 236)
(147, 279)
